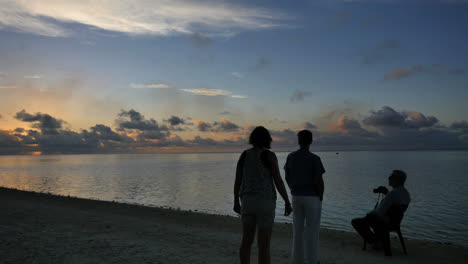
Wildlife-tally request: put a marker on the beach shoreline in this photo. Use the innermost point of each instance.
(45, 228)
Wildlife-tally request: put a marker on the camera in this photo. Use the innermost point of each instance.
(381, 189)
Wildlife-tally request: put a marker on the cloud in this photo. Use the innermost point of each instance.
(225, 126)
(237, 75)
(158, 17)
(7, 140)
(198, 40)
(35, 76)
(218, 126)
(386, 128)
(151, 86)
(309, 126)
(225, 113)
(351, 127)
(238, 96)
(404, 1)
(459, 125)
(137, 122)
(298, 96)
(203, 126)
(400, 73)
(197, 140)
(284, 137)
(175, 120)
(7, 87)
(46, 123)
(261, 64)
(207, 92)
(103, 132)
(388, 117)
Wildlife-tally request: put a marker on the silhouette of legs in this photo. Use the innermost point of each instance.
(248, 236)
(378, 232)
(306, 227)
(362, 226)
(263, 242)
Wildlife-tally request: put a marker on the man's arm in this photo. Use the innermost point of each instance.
(287, 172)
(384, 205)
(321, 186)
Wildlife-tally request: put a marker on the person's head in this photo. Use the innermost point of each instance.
(260, 137)
(397, 178)
(304, 138)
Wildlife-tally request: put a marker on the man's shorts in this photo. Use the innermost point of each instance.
(259, 211)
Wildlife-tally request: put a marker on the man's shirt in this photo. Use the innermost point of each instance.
(303, 170)
(397, 196)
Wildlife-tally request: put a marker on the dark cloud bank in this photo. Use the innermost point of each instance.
(384, 129)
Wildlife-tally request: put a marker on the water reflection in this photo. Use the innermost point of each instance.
(204, 182)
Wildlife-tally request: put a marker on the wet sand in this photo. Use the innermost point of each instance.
(42, 228)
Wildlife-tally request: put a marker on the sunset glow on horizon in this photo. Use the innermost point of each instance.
(197, 76)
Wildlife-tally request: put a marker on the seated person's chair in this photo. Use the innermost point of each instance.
(395, 213)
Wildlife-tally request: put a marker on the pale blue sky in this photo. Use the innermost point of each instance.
(358, 55)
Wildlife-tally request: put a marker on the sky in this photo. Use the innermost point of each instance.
(198, 76)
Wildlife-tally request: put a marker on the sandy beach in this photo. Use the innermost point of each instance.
(42, 228)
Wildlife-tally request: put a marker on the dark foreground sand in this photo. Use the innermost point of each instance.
(40, 228)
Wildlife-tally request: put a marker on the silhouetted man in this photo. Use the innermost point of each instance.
(374, 226)
(304, 172)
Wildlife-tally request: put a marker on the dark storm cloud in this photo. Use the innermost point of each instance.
(199, 40)
(459, 125)
(203, 126)
(46, 123)
(218, 126)
(175, 120)
(388, 117)
(298, 96)
(284, 137)
(225, 126)
(353, 128)
(137, 122)
(8, 140)
(102, 132)
(385, 128)
(197, 140)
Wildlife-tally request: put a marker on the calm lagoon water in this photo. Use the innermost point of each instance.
(437, 181)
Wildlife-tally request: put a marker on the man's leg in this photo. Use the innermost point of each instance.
(381, 232)
(298, 230)
(313, 211)
(362, 226)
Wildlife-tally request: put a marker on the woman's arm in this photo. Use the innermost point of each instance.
(279, 182)
(237, 182)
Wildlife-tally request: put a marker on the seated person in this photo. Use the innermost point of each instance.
(375, 225)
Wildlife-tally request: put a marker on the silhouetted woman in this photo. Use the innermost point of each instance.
(257, 174)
